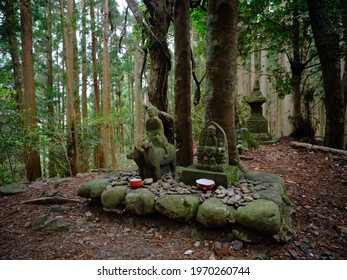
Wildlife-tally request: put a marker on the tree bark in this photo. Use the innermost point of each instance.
(156, 26)
(85, 148)
(49, 94)
(32, 164)
(106, 96)
(72, 147)
(98, 157)
(327, 42)
(138, 59)
(11, 30)
(221, 69)
(183, 99)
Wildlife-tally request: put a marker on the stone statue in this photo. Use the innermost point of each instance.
(213, 159)
(213, 148)
(156, 156)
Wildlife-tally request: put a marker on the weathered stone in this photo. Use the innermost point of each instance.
(50, 223)
(113, 198)
(148, 181)
(261, 215)
(13, 188)
(264, 177)
(213, 213)
(140, 202)
(178, 207)
(273, 193)
(93, 188)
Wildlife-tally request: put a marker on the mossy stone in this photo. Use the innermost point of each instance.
(140, 202)
(213, 213)
(182, 208)
(261, 215)
(93, 188)
(114, 197)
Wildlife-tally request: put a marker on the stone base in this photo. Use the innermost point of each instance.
(226, 178)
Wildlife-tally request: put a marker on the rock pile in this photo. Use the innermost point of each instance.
(257, 202)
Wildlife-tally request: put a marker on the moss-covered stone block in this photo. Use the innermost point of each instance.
(114, 197)
(182, 208)
(140, 202)
(93, 188)
(261, 215)
(213, 213)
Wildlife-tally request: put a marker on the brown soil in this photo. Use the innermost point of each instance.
(316, 183)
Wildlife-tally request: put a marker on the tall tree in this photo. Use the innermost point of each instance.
(32, 164)
(107, 129)
(327, 42)
(68, 30)
(98, 156)
(138, 61)
(156, 25)
(221, 69)
(85, 150)
(183, 100)
(49, 92)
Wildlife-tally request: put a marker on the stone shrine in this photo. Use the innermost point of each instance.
(257, 124)
(213, 159)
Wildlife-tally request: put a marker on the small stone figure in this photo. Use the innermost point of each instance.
(155, 131)
(156, 155)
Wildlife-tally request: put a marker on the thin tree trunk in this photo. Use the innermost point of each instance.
(32, 164)
(183, 99)
(10, 16)
(85, 150)
(221, 69)
(49, 94)
(137, 94)
(98, 157)
(70, 86)
(106, 96)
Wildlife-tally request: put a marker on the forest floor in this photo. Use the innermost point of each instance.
(316, 183)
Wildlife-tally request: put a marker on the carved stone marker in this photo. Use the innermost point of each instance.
(156, 156)
(213, 159)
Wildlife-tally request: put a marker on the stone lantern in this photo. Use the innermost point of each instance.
(257, 124)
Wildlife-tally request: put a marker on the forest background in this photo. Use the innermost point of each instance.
(74, 76)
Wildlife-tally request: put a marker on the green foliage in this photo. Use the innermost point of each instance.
(281, 81)
(12, 138)
(244, 137)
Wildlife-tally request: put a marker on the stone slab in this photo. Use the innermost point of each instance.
(225, 179)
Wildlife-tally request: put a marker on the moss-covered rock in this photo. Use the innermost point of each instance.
(93, 188)
(182, 208)
(272, 192)
(114, 197)
(140, 202)
(213, 213)
(265, 178)
(13, 188)
(261, 215)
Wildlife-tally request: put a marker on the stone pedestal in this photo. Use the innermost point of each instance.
(257, 124)
(226, 178)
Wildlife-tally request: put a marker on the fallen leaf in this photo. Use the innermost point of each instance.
(188, 252)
